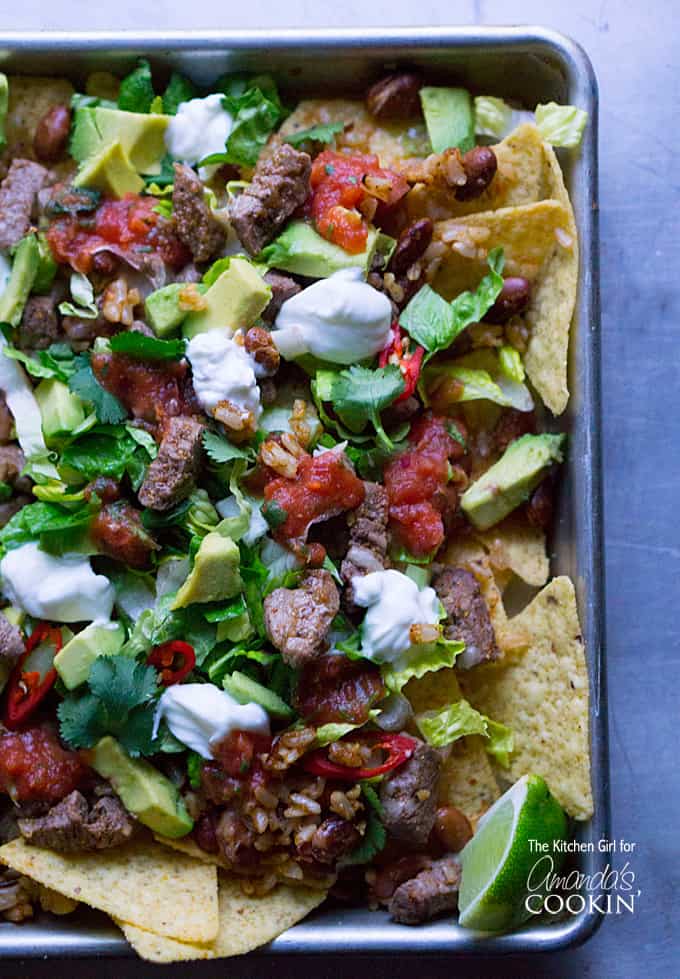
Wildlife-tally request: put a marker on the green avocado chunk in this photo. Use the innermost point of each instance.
(110, 171)
(235, 299)
(162, 308)
(301, 250)
(449, 117)
(215, 574)
(247, 691)
(62, 412)
(143, 790)
(24, 270)
(74, 660)
(510, 481)
(140, 134)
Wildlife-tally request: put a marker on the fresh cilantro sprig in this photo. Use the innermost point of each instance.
(435, 323)
(136, 90)
(179, 89)
(83, 382)
(375, 837)
(256, 110)
(118, 702)
(221, 450)
(359, 394)
(323, 133)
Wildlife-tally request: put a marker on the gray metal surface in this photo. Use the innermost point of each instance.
(529, 65)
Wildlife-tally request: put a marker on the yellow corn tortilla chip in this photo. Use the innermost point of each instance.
(467, 779)
(552, 303)
(514, 545)
(191, 848)
(143, 883)
(543, 696)
(29, 100)
(527, 234)
(518, 180)
(390, 142)
(245, 923)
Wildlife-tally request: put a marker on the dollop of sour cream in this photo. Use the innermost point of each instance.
(223, 371)
(199, 715)
(61, 589)
(341, 319)
(394, 604)
(200, 127)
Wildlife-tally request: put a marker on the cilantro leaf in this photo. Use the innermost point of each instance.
(99, 454)
(179, 89)
(435, 323)
(141, 347)
(35, 367)
(136, 90)
(256, 110)
(220, 450)
(81, 722)
(323, 133)
(84, 383)
(372, 843)
(121, 683)
(359, 394)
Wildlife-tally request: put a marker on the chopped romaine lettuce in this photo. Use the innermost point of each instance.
(561, 125)
(136, 90)
(481, 377)
(82, 293)
(444, 726)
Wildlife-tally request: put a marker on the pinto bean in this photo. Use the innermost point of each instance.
(539, 509)
(333, 839)
(480, 167)
(395, 96)
(51, 134)
(513, 300)
(411, 245)
(452, 828)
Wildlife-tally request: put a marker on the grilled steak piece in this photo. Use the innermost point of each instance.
(367, 524)
(283, 288)
(195, 224)
(39, 325)
(434, 890)
(409, 797)
(71, 825)
(467, 616)
(279, 186)
(17, 195)
(298, 619)
(172, 475)
(11, 642)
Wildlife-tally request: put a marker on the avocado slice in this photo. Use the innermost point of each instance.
(163, 311)
(110, 171)
(215, 574)
(235, 299)
(247, 691)
(301, 250)
(510, 481)
(141, 135)
(74, 660)
(61, 410)
(143, 790)
(449, 117)
(24, 270)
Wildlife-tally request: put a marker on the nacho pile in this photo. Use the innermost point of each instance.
(279, 398)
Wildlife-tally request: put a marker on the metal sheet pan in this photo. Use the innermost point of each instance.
(529, 64)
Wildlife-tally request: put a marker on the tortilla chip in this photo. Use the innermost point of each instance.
(29, 100)
(245, 923)
(543, 696)
(390, 142)
(518, 180)
(192, 849)
(527, 235)
(467, 779)
(514, 545)
(552, 303)
(143, 883)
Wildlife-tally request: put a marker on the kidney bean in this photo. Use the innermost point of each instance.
(333, 839)
(389, 877)
(513, 300)
(395, 96)
(539, 509)
(51, 133)
(411, 245)
(452, 828)
(480, 167)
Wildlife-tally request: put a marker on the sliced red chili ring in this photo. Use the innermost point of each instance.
(410, 363)
(399, 748)
(174, 661)
(33, 676)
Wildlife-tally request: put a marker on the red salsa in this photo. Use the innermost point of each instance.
(151, 391)
(35, 768)
(340, 185)
(129, 226)
(416, 483)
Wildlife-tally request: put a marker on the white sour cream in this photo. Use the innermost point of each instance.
(200, 714)
(23, 406)
(341, 319)
(61, 589)
(223, 371)
(200, 128)
(394, 604)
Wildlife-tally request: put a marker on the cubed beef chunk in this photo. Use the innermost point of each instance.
(298, 619)
(283, 288)
(467, 616)
(367, 524)
(39, 326)
(17, 196)
(71, 826)
(195, 224)
(172, 475)
(431, 892)
(11, 642)
(409, 796)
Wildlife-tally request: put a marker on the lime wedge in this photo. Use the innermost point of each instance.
(498, 860)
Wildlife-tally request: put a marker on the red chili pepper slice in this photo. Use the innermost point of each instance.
(399, 749)
(30, 681)
(410, 361)
(174, 660)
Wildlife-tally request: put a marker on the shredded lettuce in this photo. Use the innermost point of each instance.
(561, 125)
(179, 89)
(444, 726)
(493, 117)
(510, 362)
(4, 103)
(423, 659)
(136, 89)
(82, 293)
(481, 378)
